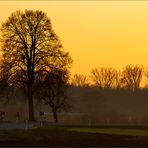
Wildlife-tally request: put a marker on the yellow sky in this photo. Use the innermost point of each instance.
(95, 33)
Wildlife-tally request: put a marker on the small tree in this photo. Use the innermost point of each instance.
(146, 75)
(104, 77)
(131, 77)
(117, 83)
(53, 91)
(6, 90)
(79, 80)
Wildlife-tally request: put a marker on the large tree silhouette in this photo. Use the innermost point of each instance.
(30, 49)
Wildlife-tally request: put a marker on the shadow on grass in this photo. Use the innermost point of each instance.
(55, 136)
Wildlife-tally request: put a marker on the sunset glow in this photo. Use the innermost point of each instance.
(95, 33)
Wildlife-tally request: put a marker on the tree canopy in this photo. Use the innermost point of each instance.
(30, 49)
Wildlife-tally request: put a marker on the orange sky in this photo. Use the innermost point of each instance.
(95, 33)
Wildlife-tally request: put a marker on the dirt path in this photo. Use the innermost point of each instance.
(17, 125)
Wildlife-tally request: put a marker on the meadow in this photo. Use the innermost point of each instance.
(72, 136)
(114, 130)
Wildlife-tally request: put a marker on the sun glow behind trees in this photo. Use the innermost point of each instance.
(95, 33)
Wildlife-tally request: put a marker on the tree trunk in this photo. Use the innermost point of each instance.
(30, 104)
(55, 116)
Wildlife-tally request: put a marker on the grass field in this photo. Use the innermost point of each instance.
(66, 136)
(114, 131)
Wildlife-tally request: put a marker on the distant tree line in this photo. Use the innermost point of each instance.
(129, 78)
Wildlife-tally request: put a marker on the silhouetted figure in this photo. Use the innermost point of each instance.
(41, 114)
(17, 116)
(2, 115)
(42, 117)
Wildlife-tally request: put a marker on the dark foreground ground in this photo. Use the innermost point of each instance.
(62, 137)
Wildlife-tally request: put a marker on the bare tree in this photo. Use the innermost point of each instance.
(131, 77)
(104, 77)
(118, 80)
(146, 76)
(30, 48)
(79, 80)
(5, 89)
(53, 91)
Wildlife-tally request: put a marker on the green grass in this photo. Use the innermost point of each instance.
(67, 136)
(115, 131)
